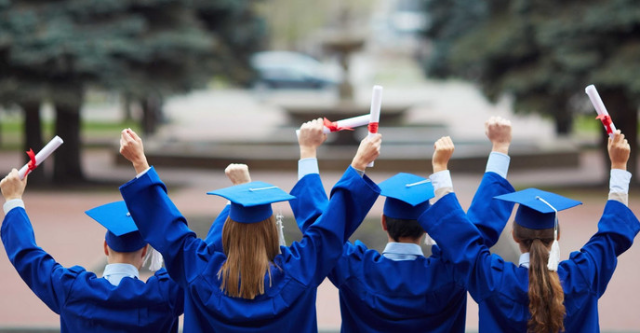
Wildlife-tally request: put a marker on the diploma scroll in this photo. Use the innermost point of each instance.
(41, 156)
(603, 115)
(374, 112)
(344, 124)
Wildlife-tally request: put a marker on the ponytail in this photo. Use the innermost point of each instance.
(546, 296)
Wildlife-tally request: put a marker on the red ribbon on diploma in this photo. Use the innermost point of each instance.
(333, 126)
(32, 160)
(373, 127)
(606, 121)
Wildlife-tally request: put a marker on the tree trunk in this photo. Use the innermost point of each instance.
(151, 115)
(126, 107)
(33, 139)
(624, 114)
(68, 164)
(564, 122)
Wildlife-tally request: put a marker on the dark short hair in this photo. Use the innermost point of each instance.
(403, 228)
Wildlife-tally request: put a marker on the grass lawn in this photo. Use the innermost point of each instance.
(93, 132)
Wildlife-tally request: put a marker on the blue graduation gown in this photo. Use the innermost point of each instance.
(288, 303)
(425, 294)
(501, 288)
(214, 236)
(85, 302)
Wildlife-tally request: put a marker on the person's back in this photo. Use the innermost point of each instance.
(85, 302)
(385, 295)
(505, 308)
(93, 304)
(541, 294)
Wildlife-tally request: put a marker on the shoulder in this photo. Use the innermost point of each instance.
(161, 275)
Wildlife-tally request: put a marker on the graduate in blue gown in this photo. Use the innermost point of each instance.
(117, 302)
(516, 298)
(277, 288)
(401, 289)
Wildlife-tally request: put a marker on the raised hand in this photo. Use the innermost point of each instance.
(619, 151)
(238, 173)
(131, 148)
(498, 130)
(12, 186)
(443, 149)
(311, 137)
(368, 151)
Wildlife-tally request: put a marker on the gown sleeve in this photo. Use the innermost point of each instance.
(311, 200)
(322, 243)
(458, 239)
(163, 226)
(489, 215)
(597, 260)
(45, 277)
(214, 236)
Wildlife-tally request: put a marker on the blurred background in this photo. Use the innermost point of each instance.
(208, 83)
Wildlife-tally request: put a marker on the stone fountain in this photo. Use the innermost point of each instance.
(342, 41)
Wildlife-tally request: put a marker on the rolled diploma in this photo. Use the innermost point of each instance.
(349, 122)
(374, 112)
(42, 154)
(599, 105)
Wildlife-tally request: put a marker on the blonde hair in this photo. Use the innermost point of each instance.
(546, 296)
(250, 250)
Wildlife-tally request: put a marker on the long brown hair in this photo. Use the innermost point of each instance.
(546, 296)
(250, 249)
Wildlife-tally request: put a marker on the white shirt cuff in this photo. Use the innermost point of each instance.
(498, 163)
(143, 172)
(619, 181)
(11, 204)
(441, 179)
(307, 166)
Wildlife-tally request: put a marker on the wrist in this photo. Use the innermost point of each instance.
(439, 167)
(307, 152)
(621, 166)
(141, 166)
(358, 165)
(12, 197)
(501, 148)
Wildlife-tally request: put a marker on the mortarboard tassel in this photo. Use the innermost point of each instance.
(429, 241)
(554, 254)
(154, 258)
(279, 218)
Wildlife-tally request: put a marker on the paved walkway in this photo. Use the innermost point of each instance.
(73, 239)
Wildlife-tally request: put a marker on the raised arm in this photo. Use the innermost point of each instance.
(445, 221)
(488, 215)
(44, 276)
(311, 198)
(237, 174)
(618, 226)
(351, 198)
(158, 220)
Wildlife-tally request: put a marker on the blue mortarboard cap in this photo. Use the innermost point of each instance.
(534, 213)
(407, 196)
(122, 233)
(251, 202)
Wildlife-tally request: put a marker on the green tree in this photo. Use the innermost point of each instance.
(543, 54)
(56, 50)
